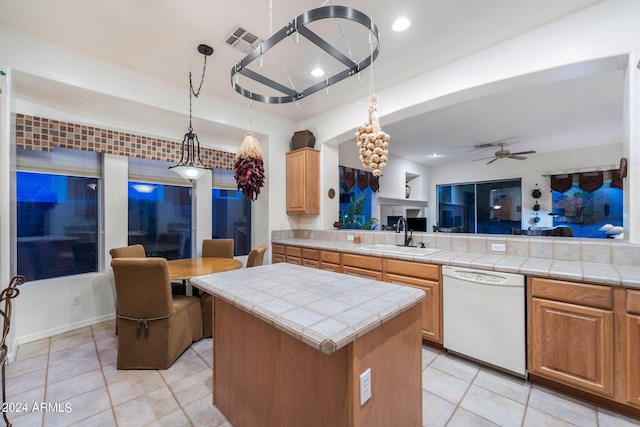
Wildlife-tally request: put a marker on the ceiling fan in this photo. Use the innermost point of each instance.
(502, 153)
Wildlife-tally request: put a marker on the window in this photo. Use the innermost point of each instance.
(57, 213)
(590, 203)
(357, 196)
(231, 218)
(160, 219)
(490, 207)
(57, 225)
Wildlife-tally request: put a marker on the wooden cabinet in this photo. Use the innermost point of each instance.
(426, 277)
(330, 260)
(294, 255)
(310, 258)
(303, 181)
(362, 266)
(278, 253)
(632, 354)
(571, 334)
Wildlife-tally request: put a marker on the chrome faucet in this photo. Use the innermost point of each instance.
(402, 222)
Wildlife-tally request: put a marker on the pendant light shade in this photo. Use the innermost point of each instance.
(190, 166)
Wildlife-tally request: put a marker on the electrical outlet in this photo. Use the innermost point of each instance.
(350, 237)
(365, 386)
(498, 247)
(75, 299)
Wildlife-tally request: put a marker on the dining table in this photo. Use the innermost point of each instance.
(186, 268)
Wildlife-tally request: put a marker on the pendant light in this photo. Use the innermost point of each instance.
(190, 166)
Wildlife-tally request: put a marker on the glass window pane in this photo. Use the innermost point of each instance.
(457, 206)
(160, 219)
(499, 206)
(231, 218)
(595, 214)
(57, 225)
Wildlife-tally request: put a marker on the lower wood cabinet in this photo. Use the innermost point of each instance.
(330, 260)
(632, 322)
(278, 253)
(362, 266)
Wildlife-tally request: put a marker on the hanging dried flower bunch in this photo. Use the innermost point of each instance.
(373, 141)
(249, 167)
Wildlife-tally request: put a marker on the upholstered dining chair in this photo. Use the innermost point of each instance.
(256, 256)
(132, 251)
(213, 248)
(155, 327)
(7, 294)
(217, 248)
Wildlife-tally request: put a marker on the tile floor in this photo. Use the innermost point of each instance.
(78, 369)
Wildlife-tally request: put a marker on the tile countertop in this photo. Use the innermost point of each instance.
(590, 272)
(323, 309)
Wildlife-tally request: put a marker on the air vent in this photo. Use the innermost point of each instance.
(241, 39)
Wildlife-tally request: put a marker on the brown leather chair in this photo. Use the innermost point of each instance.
(212, 248)
(155, 327)
(256, 256)
(6, 296)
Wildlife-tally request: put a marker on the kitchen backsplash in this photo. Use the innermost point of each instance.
(603, 251)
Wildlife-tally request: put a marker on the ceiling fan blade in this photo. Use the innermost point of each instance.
(493, 160)
(517, 157)
(484, 158)
(523, 152)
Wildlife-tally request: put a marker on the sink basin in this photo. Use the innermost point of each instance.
(399, 250)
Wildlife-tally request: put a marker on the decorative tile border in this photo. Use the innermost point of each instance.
(42, 134)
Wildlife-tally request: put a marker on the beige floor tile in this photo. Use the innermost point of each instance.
(455, 366)
(493, 407)
(25, 366)
(31, 419)
(131, 388)
(428, 356)
(463, 418)
(535, 418)
(108, 357)
(24, 383)
(564, 407)
(202, 413)
(74, 386)
(444, 385)
(81, 407)
(145, 409)
(80, 331)
(107, 343)
(175, 419)
(29, 397)
(103, 419)
(70, 369)
(507, 385)
(74, 353)
(187, 365)
(112, 374)
(35, 348)
(608, 418)
(435, 410)
(72, 341)
(192, 388)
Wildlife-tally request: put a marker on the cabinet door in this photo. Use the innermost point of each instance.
(277, 258)
(431, 305)
(330, 266)
(303, 181)
(361, 272)
(572, 344)
(633, 359)
(294, 260)
(310, 263)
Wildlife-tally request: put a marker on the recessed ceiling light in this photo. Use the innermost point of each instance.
(317, 72)
(401, 24)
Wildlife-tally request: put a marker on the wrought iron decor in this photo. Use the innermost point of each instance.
(298, 25)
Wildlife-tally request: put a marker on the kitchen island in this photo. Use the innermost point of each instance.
(291, 344)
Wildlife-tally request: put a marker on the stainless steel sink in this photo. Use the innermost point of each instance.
(399, 250)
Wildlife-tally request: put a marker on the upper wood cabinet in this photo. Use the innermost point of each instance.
(303, 181)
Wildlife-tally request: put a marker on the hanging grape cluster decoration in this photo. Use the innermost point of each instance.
(372, 141)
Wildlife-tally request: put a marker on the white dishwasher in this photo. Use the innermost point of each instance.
(484, 317)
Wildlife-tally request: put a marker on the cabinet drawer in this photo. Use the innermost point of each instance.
(329, 256)
(310, 254)
(414, 269)
(362, 272)
(360, 261)
(294, 251)
(310, 263)
(278, 249)
(633, 302)
(275, 258)
(575, 293)
(330, 266)
(294, 260)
